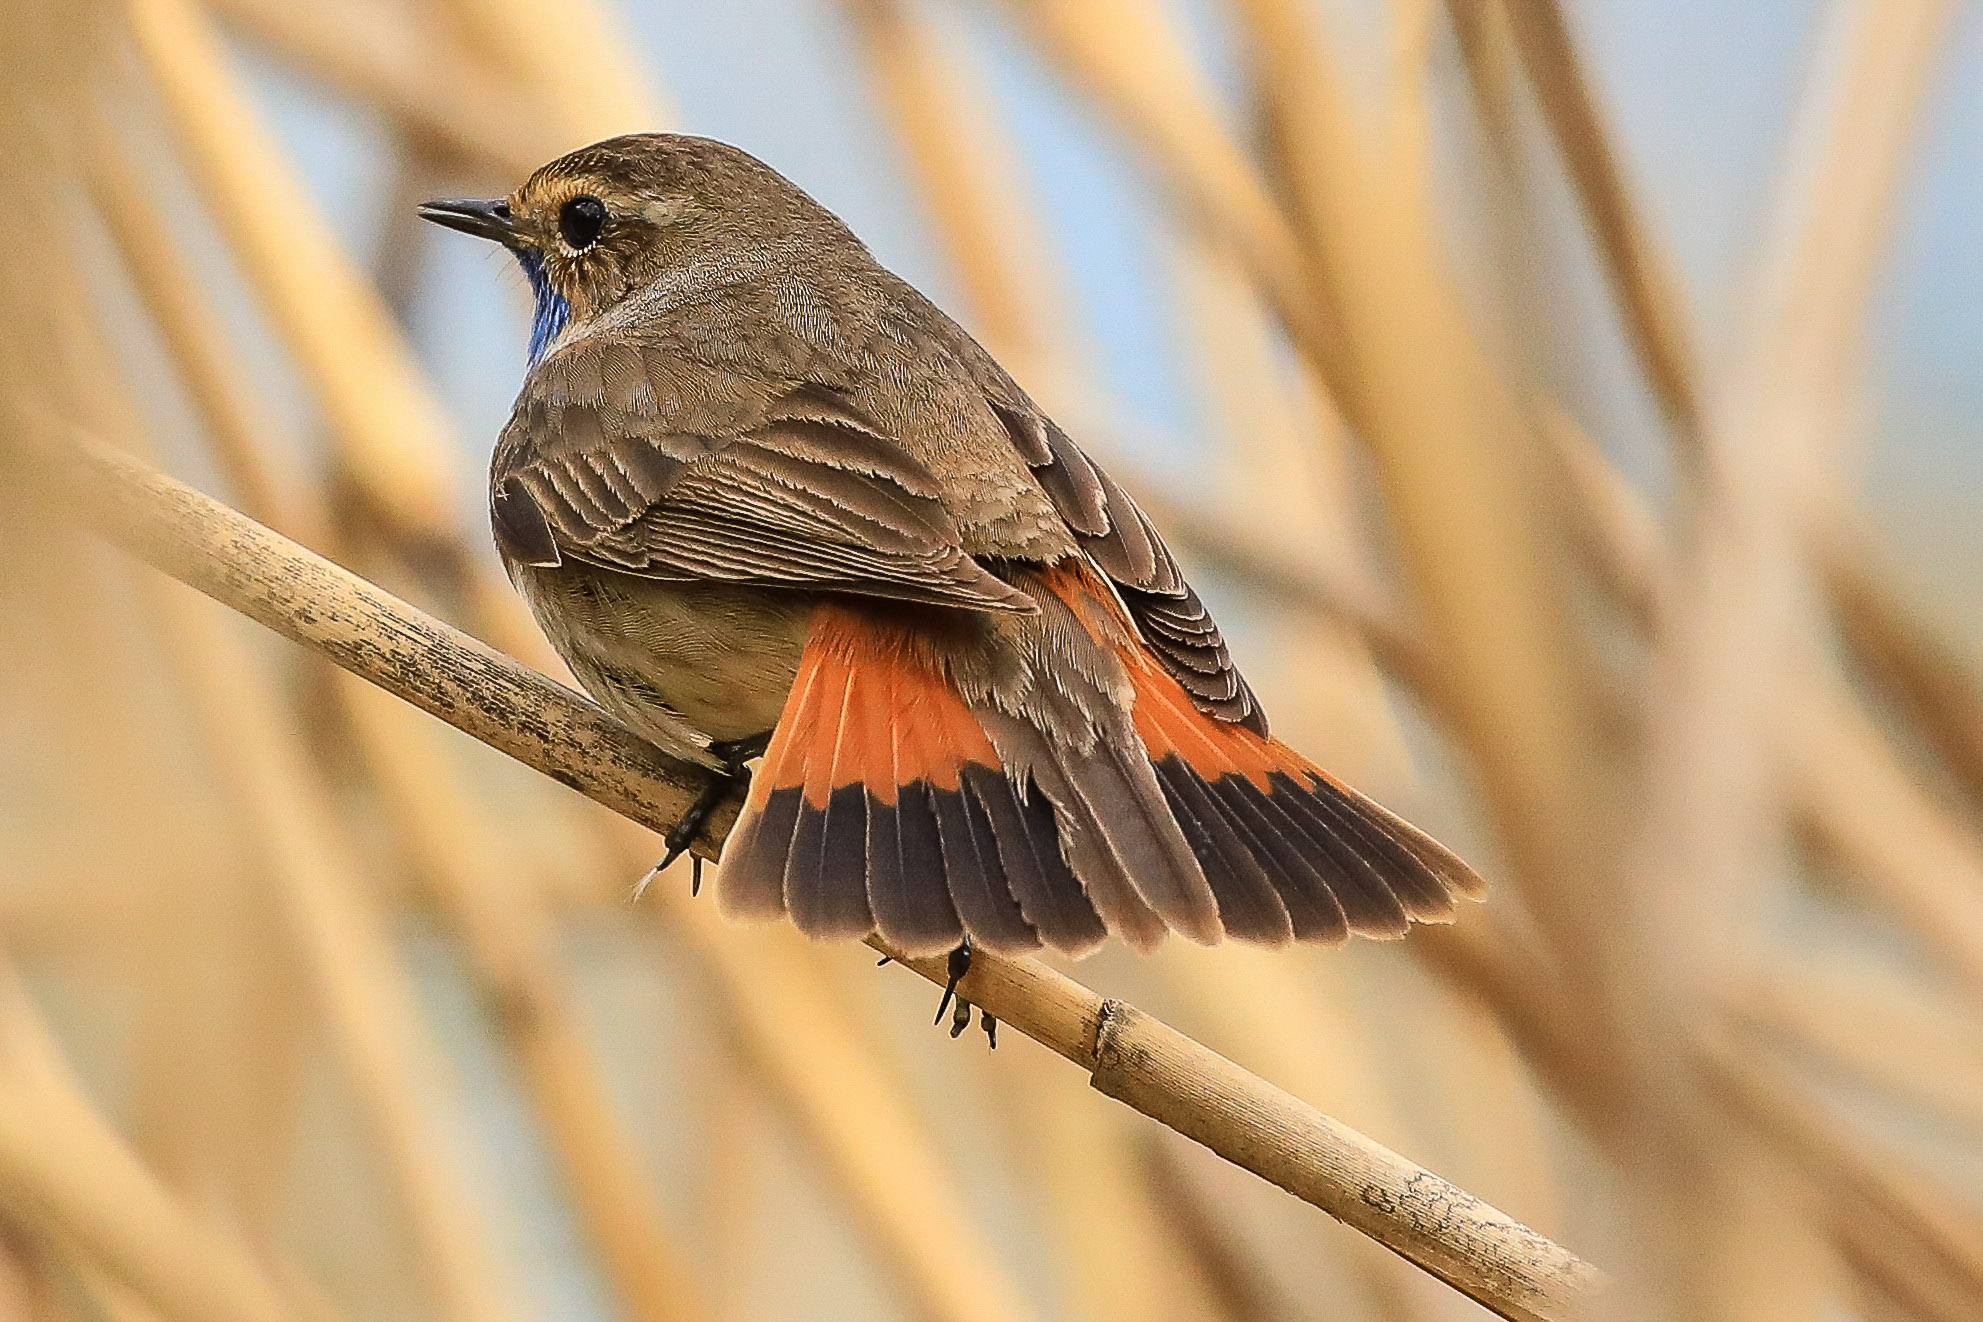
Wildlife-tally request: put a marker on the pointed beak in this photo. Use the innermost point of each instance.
(485, 219)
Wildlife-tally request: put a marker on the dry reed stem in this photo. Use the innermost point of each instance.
(1281, 457)
(734, 1137)
(385, 425)
(1738, 627)
(1904, 850)
(1111, 1255)
(881, 1162)
(1941, 693)
(1451, 451)
(1130, 1056)
(1508, 708)
(1150, 1066)
(365, 630)
(786, 1025)
(1880, 1202)
(1238, 1282)
(943, 1265)
(365, 998)
(192, 334)
(970, 182)
(66, 1170)
(986, 230)
(1397, 650)
(1858, 1019)
(1272, 424)
(290, 821)
(1934, 681)
(963, 166)
(396, 57)
(1126, 55)
(880, 1157)
(572, 58)
(1281, 46)
(508, 937)
(504, 930)
(506, 933)
(1318, 1054)
(29, 1288)
(1642, 281)
(1849, 788)
(1863, 808)
(215, 1051)
(1114, 1239)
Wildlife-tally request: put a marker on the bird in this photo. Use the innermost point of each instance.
(770, 504)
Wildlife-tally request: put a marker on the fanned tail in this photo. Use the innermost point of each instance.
(888, 802)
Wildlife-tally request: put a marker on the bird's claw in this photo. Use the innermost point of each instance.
(960, 1018)
(682, 834)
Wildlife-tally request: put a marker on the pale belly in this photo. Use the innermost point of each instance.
(684, 664)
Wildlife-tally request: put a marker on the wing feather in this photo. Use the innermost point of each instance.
(1122, 542)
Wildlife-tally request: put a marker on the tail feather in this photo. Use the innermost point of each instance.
(1249, 907)
(1314, 912)
(978, 885)
(1368, 903)
(907, 886)
(1049, 896)
(1443, 862)
(826, 868)
(1117, 834)
(1120, 789)
(752, 879)
(1418, 890)
(906, 890)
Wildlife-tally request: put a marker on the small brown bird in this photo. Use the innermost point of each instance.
(766, 499)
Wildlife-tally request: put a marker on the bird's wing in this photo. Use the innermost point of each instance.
(1122, 542)
(783, 484)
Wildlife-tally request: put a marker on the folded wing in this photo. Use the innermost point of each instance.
(789, 487)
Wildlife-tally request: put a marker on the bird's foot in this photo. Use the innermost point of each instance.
(734, 780)
(960, 1017)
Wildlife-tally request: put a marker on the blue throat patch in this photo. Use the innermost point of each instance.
(552, 309)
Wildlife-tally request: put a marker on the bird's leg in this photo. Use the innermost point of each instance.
(734, 778)
(960, 964)
(960, 1019)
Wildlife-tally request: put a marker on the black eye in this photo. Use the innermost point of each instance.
(580, 220)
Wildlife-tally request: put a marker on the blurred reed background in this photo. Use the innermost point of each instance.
(1613, 520)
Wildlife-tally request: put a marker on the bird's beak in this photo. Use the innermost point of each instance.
(488, 219)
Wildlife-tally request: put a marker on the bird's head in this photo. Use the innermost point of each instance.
(606, 221)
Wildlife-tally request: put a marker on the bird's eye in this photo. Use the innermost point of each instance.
(580, 220)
